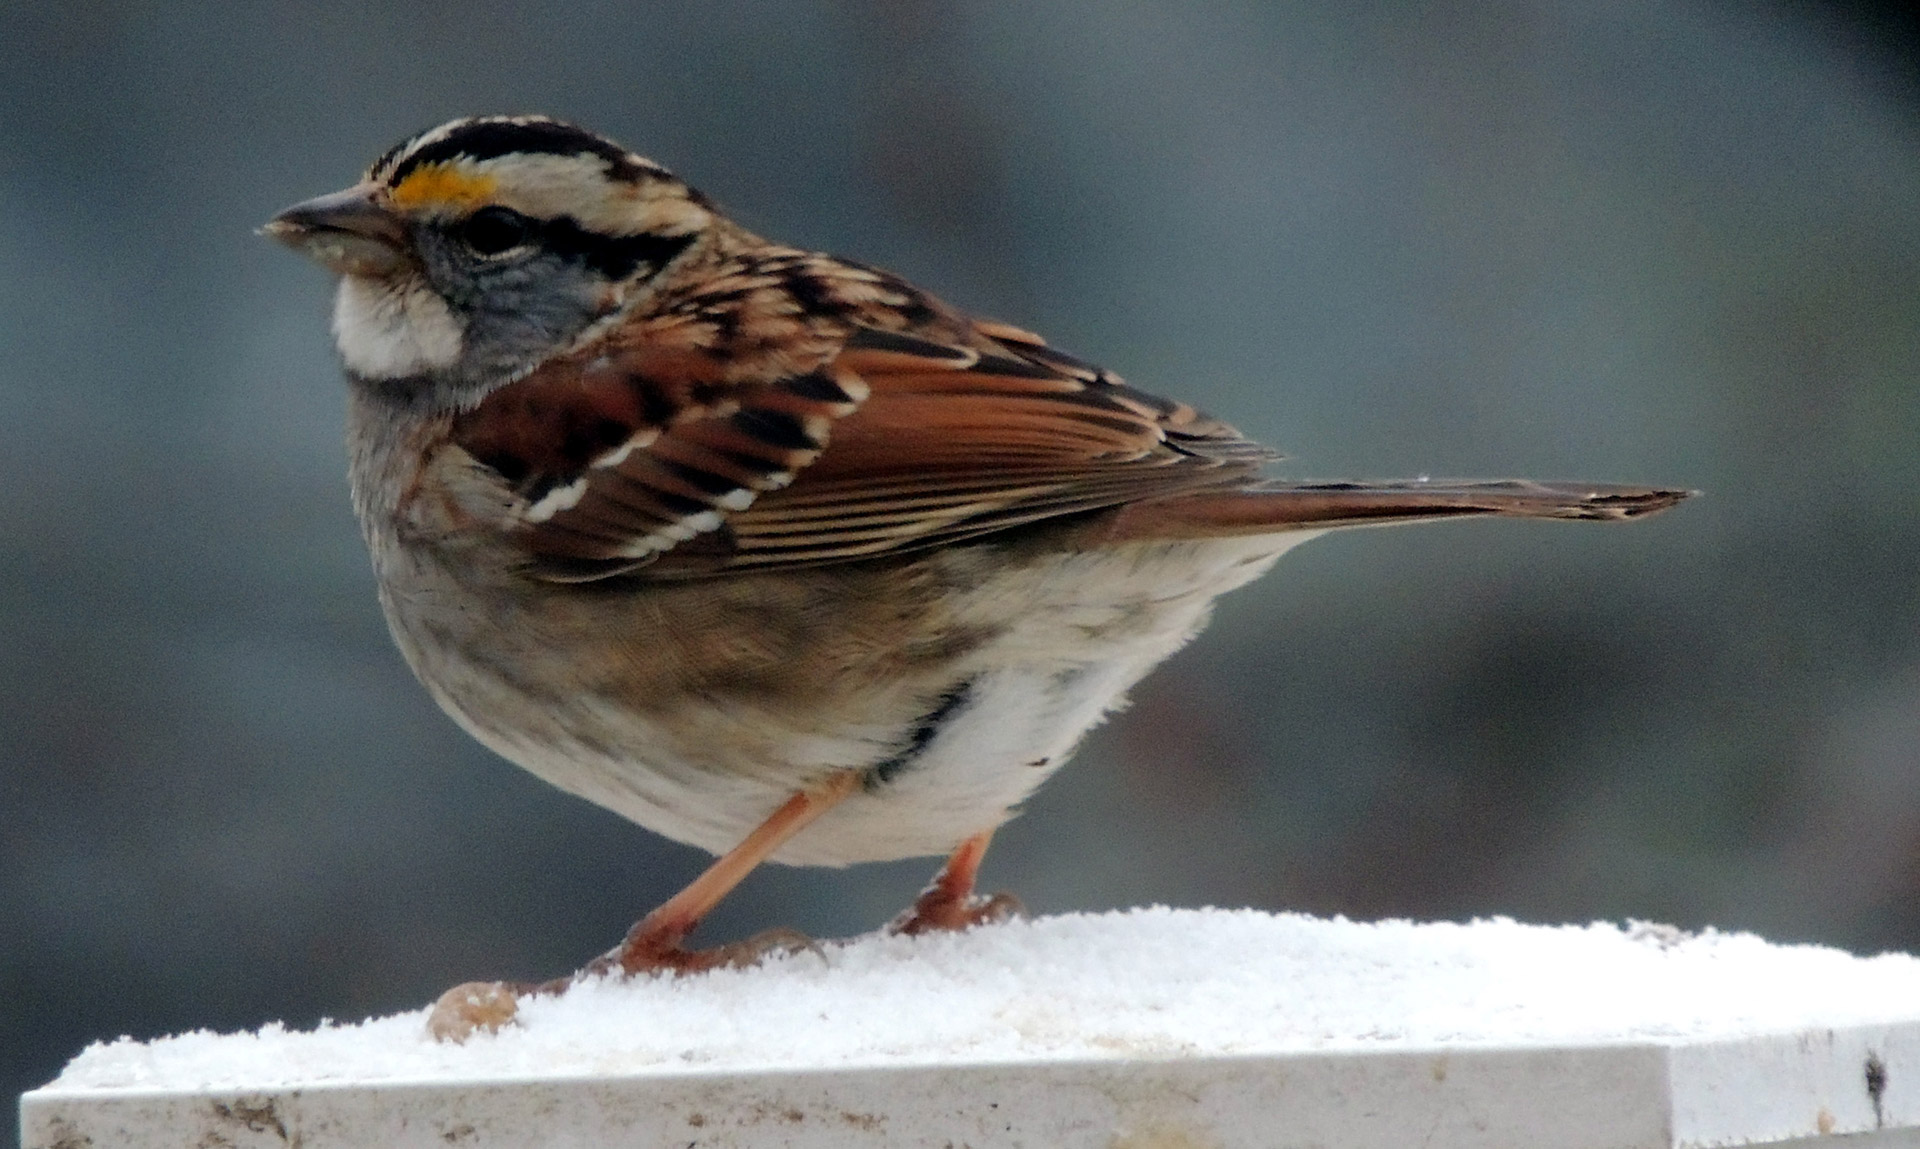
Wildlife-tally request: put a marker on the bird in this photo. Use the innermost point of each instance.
(767, 550)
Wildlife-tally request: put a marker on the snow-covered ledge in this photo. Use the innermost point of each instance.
(1157, 1029)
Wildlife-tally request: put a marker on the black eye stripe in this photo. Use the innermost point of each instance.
(614, 256)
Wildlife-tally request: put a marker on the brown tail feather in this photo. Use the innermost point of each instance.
(1276, 507)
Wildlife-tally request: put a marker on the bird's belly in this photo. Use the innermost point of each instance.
(1071, 635)
(1020, 725)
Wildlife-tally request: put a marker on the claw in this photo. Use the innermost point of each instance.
(758, 948)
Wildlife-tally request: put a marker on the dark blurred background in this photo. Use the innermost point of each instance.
(1674, 240)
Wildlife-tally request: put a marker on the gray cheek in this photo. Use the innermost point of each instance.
(516, 311)
(526, 312)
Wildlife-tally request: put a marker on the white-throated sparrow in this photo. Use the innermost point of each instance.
(766, 550)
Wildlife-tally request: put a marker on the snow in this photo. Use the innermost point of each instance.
(1143, 983)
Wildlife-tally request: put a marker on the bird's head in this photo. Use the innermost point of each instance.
(471, 252)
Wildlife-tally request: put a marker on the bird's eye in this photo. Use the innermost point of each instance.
(495, 230)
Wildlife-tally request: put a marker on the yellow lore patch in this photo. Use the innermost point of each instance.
(442, 186)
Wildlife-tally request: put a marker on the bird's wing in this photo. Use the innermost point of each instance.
(874, 441)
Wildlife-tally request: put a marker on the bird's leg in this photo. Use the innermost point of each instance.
(654, 944)
(949, 903)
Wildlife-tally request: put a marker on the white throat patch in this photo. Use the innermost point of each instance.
(388, 330)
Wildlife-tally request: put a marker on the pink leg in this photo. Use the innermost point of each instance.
(655, 944)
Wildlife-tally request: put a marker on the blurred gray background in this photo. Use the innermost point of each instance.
(1673, 240)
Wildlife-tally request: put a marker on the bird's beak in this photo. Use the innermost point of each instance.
(348, 233)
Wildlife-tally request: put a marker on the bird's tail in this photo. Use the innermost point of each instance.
(1274, 507)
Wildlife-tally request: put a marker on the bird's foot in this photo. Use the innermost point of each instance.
(940, 909)
(647, 953)
(488, 1006)
(949, 903)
